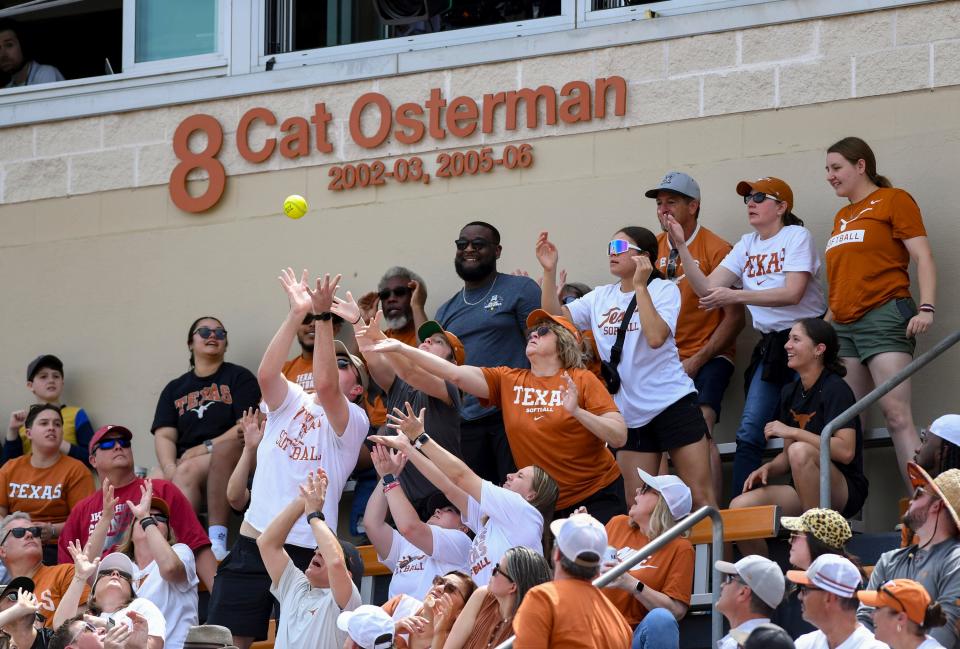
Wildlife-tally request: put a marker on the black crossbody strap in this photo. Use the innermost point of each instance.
(617, 348)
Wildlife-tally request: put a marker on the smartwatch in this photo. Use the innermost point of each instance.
(388, 478)
(313, 515)
(421, 440)
(639, 587)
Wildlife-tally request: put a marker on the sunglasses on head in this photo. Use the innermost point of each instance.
(205, 332)
(20, 532)
(107, 444)
(620, 246)
(399, 291)
(477, 244)
(497, 570)
(759, 197)
(541, 331)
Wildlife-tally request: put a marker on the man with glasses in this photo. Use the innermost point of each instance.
(828, 595)
(111, 455)
(939, 448)
(752, 590)
(705, 337)
(19, 612)
(933, 559)
(402, 296)
(22, 553)
(300, 369)
(489, 316)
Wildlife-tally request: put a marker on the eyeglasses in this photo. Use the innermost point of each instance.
(570, 298)
(205, 332)
(620, 246)
(87, 628)
(759, 197)
(497, 570)
(399, 291)
(477, 244)
(448, 587)
(672, 263)
(729, 579)
(20, 532)
(886, 591)
(107, 444)
(918, 493)
(797, 535)
(806, 589)
(12, 596)
(343, 363)
(126, 576)
(541, 331)
(644, 488)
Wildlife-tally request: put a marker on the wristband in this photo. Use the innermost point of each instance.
(313, 515)
(147, 521)
(421, 440)
(208, 443)
(388, 487)
(326, 315)
(639, 587)
(389, 478)
(359, 317)
(928, 308)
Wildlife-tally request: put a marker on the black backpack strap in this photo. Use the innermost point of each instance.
(617, 348)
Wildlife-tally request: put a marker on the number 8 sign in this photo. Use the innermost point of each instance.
(205, 160)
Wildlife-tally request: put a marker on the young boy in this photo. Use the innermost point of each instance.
(45, 380)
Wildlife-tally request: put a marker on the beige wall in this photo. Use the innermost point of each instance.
(109, 280)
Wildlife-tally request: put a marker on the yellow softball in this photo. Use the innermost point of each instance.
(295, 206)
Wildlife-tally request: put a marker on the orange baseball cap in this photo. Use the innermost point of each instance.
(538, 315)
(768, 185)
(904, 595)
(431, 327)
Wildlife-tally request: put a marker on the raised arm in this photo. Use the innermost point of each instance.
(326, 376)
(379, 365)
(375, 522)
(655, 329)
(313, 492)
(548, 256)
(466, 377)
(720, 277)
(275, 558)
(170, 565)
(238, 495)
(83, 570)
(418, 303)
(26, 604)
(98, 537)
(273, 385)
(409, 525)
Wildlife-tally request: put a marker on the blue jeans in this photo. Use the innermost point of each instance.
(760, 408)
(366, 481)
(658, 630)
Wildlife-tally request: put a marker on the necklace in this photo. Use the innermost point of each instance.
(463, 294)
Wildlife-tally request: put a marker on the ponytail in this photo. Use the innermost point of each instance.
(822, 332)
(853, 149)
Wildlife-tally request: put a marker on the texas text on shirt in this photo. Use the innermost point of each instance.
(297, 438)
(414, 570)
(510, 521)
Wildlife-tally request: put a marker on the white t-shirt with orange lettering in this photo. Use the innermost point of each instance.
(763, 264)
(502, 519)
(414, 569)
(298, 439)
(651, 379)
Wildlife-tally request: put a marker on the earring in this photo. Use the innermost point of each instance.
(899, 628)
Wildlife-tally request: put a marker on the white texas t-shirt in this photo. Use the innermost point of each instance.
(297, 439)
(762, 264)
(177, 601)
(414, 570)
(650, 379)
(511, 521)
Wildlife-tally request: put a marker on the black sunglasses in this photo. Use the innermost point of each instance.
(343, 363)
(672, 263)
(160, 518)
(205, 332)
(107, 444)
(310, 317)
(541, 331)
(399, 291)
(12, 596)
(448, 587)
(20, 532)
(806, 588)
(759, 197)
(477, 244)
(126, 576)
(497, 570)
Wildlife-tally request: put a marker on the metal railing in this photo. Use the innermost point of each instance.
(657, 544)
(867, 401)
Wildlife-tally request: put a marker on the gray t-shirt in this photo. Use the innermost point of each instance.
(937, 568)
(441, 422)
(309, 614)
(491, 322)
(39, 73)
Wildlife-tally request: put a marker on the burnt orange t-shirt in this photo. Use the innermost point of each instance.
(299, 370)
(668, 570)
(867, 263)
(50, 583)
(46, 494)
(542, 432)
(569, 614)
(407, 335)
(695, 325)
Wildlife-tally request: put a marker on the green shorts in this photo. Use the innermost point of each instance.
(884, 329)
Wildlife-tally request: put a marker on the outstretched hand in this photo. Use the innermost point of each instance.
(382, 345)
(251, 428)
(142, 509)
(298, 294)
(314, 491)
(322, 296)
(369, 333)
(396, 442)
(83, 567)
(408, 423)
(570, 395)
(387, 460)
(547, 253)
(109, 499)
(348, 309)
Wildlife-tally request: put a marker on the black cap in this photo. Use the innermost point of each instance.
(44, 360)
(18, 583)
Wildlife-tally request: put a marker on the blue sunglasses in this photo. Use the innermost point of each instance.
(108, 444)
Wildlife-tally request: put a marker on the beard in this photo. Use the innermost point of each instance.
(475, 273)
(915, 520)
(399, 322)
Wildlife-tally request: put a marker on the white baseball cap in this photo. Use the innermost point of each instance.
(673, 490)
(830, 572)
(123, 563)
(581, 538)
(763, 576)
(947, 427)
(366, 625)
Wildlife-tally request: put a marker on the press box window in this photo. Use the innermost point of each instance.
(168, 29)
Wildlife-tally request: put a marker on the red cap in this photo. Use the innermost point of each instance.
(102, 432)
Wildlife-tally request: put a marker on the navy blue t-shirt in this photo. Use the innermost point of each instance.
(492, 327)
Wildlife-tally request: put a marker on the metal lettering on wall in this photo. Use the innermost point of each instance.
(461, 117)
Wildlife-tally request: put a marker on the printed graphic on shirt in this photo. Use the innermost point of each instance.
(765, 263)
(801, 418)
(410, 563)
(845, 222)
(478, 553)
(305, 381)
(199, 400)
(853, 236)
(610, 321)
(122, 518)
(494, 303)
(35, 492)
(625, 553)
(291, 441)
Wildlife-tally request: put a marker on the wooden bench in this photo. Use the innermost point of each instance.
(872, 438)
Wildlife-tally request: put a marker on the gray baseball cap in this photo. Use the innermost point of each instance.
(678, 183)
(763, 576)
